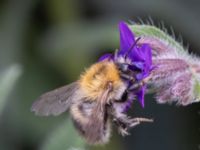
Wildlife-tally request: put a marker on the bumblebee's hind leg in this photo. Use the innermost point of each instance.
(136, 121)
(123, 122)
(122, 126)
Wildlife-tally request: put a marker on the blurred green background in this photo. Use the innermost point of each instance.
(47, 44)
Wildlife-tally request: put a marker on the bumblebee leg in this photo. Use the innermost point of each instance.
(135, 86)
(122, 127)
(127, 76)
(123, 131)
(140, 119)
(124, 123)
(137, 121)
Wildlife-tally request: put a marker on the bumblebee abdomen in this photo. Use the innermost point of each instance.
(101, 137)
(92, 123)
(94, 80)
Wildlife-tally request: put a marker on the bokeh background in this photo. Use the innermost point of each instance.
(45, 44)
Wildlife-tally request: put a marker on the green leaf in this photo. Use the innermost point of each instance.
(197, 91)
(152, 31)
(65, 137)
(8, 79)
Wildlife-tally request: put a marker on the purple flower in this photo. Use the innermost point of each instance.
(138, 57)
(176, 75)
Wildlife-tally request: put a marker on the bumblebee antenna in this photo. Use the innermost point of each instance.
(133, 45)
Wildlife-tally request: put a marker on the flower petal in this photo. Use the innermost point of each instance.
(147, 54)
(106, 56)
(126, 38)
(136, 54)
(129, 101)
(140, 95)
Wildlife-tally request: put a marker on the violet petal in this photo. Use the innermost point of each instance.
(140, 95)
(126, 38)
(106, 56)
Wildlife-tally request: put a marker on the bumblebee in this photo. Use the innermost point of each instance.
(94, 101)
(100, 95)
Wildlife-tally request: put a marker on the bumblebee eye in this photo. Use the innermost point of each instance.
(123, 67)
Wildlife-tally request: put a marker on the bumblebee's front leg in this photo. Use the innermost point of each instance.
(135, 84)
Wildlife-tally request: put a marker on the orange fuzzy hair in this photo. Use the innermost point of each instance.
(95, 79)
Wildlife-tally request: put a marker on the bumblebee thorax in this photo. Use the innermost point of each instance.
(95, 80)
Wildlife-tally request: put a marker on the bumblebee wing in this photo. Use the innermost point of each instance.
(98, 126)
(55, 102)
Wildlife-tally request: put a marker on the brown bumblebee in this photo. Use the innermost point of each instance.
(94, 101)
(99, 96)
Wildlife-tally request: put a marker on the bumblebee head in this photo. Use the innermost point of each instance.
(123, 67)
